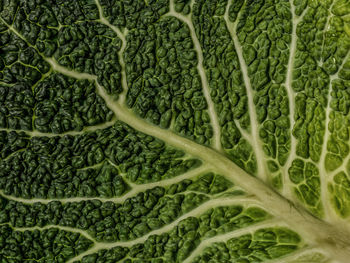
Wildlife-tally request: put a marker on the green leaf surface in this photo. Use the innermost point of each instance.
(169, 131)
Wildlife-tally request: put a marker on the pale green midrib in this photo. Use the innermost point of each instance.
(314, 230)
(329, 237)
(193, 213)
(205, 86)
(136, 189)
(256, 144)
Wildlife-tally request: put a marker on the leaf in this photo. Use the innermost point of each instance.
(174, 131)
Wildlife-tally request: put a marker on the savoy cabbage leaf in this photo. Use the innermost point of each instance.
(174, 131)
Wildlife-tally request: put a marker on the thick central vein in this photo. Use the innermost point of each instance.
(318, 231)
(206, 90)
(262, 173)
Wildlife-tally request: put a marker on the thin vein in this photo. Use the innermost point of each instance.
(122, 96)
(64, 228)
(234, 234)
(193, 213)
(325, 176)
(259, 154)
(206, 90)
(72, 133)
(133, 192)
(291, 100)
